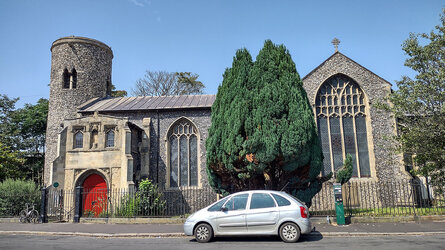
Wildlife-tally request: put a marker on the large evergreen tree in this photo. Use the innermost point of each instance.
(263, 133)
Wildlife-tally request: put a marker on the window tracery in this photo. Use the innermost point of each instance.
(341, 120)
(183, 154)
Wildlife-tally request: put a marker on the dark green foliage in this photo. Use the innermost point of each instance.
(263, 133)
(14, 194)
(150, 198)
(345, 173)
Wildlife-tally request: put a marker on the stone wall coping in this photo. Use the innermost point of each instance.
(78, 39)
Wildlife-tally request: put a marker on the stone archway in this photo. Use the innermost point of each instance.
(94, 195)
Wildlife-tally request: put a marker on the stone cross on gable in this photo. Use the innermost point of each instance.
(336, 42)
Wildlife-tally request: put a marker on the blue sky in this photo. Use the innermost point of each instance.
(202, 36)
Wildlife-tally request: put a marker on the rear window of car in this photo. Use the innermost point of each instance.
(281, 201)
(217, 206)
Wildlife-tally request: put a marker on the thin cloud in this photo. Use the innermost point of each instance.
(140, 3)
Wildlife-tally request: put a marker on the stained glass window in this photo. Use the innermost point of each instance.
(183, 153)
(341, 120)
(324, 136)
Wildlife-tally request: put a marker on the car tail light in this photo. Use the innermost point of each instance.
(304, 212)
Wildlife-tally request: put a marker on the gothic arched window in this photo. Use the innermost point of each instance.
(109, 139)
(69, 79)
(183, 154)
(73, 79)
(78, 139)
(341, 120)
(66, 79)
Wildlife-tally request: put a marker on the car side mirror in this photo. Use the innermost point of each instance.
(224, 209)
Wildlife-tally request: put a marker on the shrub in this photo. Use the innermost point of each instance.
(147, 201)
(14, 194)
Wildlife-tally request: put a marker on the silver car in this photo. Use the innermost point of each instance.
(259, 212)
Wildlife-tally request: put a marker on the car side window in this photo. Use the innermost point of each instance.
(237, 202)
(281, 201)
(217, 206)
(261, 200)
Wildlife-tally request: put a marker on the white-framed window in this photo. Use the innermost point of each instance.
(183, 154)
(341, 119)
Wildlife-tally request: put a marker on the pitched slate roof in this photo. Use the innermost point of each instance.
(148, 103)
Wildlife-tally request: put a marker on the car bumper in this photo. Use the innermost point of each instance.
(188, 228)
(305, 226)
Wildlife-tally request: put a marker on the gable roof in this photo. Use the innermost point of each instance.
(337, 53)
(109, 104)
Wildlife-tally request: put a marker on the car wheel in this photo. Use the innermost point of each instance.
(203, 233)
(289, 232)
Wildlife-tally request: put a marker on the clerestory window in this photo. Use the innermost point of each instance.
(183, 154)
(341, 120)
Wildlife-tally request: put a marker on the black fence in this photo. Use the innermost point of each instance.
(360, 198)
(109, 203)
(377, 198)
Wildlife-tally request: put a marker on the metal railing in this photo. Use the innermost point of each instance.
(360, 198)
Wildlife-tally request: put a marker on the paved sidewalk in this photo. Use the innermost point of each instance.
(175, 230)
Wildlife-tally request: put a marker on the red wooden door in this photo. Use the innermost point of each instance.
(94, 195)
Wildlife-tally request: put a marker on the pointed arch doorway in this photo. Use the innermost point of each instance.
(94, 198)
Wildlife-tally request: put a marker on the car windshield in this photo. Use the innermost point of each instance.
(217, 206)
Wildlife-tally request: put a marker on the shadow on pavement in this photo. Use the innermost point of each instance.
(317, 236)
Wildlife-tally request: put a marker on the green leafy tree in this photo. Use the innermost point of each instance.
(419, 103)
(163, 83)
(7, 130)
(344, 174)
(117, 93)
(22, 139)
(190, 83)
(30, 122)
(10, 163)
(263, 133)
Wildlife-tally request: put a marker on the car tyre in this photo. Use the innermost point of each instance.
(203, 233)
(289, 232)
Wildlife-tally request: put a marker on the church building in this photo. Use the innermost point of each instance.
(95, 139)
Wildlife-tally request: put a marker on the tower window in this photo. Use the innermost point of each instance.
(69, 79)
(66, 79)
(73, 79)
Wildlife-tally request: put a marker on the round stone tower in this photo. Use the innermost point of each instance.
(80, 71)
